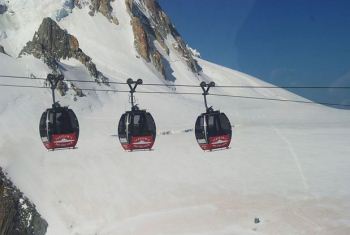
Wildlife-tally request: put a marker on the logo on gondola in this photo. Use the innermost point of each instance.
(220, 140)
(142, 140)
(64, 139)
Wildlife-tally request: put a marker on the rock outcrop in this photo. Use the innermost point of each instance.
(67, 8)
(18, 216)
(102, 6)
(3, 8)
(156, 26)
(141, 39)
(51, 44)
(105, 8)
(158, 62)
(50, 41)
(2, 50)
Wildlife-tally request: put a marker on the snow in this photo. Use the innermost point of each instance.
(195, 52)
(288, 163)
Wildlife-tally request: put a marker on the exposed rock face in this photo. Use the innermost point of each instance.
(105, 8)
(51, 43)
(158, 62)
(78, 3)
(3, 8)
(67, 8)
(157, 27)
(2, 50)
(102, 6)
(141, 39)
(18, 215)
(181, 47)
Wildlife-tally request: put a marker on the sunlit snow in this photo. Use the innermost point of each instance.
(288, 164)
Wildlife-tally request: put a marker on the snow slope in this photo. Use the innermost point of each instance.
(288, 164)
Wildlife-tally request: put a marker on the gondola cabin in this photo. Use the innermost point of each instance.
(213, 131)
(59, 128)
(137, 130)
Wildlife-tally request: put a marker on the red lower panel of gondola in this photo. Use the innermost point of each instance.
(217, 142)
(61, 141)
(139, 143)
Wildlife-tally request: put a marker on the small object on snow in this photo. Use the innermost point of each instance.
(256, 220)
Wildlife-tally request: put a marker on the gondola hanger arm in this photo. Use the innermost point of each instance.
(132, 85)
(54, 80)
(206, 87)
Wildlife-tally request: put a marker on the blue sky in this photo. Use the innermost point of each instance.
(285, 42)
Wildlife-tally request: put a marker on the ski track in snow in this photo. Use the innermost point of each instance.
(295, 158)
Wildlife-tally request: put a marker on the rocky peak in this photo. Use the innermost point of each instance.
(18, 216)
(105, 8)
(153, 24)
(52, 41)
(159, 18)
(51, 44)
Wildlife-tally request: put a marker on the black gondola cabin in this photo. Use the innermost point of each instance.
(213, 130)
(59, 128)
(137, 130)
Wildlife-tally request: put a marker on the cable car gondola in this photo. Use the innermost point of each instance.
(212, 129)
(136, 129)
(59, 126)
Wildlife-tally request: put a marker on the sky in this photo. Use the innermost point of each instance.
(285, 42)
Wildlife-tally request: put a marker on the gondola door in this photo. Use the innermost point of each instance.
(43, 129)
(63, 133)
(219, 131)
(123, 131)
(141, 131)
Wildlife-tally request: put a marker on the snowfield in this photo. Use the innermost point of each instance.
(288, 165)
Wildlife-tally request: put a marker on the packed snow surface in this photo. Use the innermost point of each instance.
(288, 164)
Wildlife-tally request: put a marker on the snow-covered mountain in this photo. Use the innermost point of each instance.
(288, 164)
